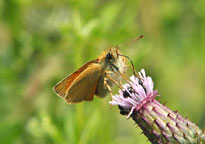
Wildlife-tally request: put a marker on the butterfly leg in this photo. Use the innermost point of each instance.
(135, 73)
(111, 79)
(108, 77)
(120, 83)
(128, 66)
(107, 85)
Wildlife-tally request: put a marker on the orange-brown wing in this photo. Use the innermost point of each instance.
(84, 86)
(63, 87)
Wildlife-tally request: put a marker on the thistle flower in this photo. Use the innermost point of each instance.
(158, 123)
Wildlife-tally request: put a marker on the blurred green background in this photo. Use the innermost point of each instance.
(43, 41)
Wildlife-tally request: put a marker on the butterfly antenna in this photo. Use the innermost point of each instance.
(139, 37)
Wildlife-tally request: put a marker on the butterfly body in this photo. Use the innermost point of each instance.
(93, 78)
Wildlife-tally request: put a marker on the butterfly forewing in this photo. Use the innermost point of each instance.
(80, 85)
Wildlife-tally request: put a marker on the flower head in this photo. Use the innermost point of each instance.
(158, 123)
(136, 93)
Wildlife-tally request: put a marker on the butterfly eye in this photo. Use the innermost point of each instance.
(109, 56)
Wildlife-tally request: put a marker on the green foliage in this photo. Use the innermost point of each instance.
(43, 41)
